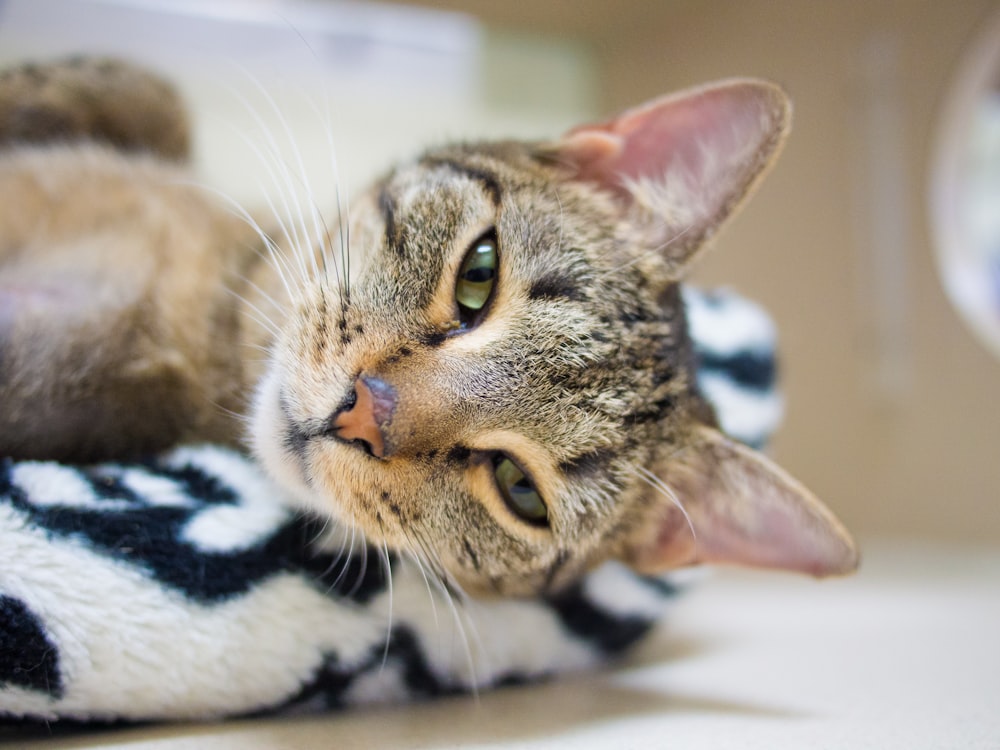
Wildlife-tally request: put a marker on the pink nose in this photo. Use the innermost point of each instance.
(365, 420)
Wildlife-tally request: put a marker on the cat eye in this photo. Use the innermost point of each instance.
(518, 492)
(476, 278)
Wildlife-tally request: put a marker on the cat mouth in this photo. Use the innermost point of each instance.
(321, 471)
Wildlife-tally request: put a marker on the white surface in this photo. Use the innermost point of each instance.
(905, 655)
(353, 87)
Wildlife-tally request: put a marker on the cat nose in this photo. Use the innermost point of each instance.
(363, 420)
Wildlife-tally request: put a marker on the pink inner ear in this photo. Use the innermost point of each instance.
(769, 536)
(705, 146)
(712, 130)
(744, 511)
(775, 539)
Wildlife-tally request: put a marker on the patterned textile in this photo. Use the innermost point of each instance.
(187, 586)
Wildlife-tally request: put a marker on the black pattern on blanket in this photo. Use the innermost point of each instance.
(186, 587)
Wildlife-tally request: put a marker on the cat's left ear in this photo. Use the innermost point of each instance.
(725, 503)
(682, 164)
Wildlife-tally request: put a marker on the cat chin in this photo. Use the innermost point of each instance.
(267, 426)
(308, 487)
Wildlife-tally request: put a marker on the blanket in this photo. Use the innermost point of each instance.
(188, 586)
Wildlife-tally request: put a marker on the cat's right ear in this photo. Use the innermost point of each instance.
(680, 165)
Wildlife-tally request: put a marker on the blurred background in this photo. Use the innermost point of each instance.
(875, 242)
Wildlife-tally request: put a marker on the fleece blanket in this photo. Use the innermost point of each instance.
(188, 586)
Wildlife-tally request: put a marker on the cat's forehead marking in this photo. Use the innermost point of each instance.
(486, 179)
(393, 232)
(441, 199)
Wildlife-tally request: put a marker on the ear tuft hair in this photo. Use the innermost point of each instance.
(683, 164)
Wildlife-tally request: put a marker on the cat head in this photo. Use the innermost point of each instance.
(505, 387)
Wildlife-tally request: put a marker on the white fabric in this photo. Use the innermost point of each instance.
(905, 655)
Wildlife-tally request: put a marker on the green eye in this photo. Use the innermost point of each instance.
(521, 496)
(476, 277)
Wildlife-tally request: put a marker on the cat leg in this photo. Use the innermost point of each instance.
(93, 98)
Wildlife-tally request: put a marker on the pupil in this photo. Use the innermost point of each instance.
(479, 275)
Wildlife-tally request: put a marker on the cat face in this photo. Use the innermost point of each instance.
(489, 388)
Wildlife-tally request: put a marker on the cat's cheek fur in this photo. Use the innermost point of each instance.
(268, 425)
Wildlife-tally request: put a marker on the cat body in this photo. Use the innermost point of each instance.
(485, 364)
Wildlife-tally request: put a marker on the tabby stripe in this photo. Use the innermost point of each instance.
(555, 285)
(393, 233)
(488, 180)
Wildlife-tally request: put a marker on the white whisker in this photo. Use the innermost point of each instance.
(343, 215)
(387, 561)
(641, 257)
(347, 558)
(449, 587)
(364, 565)
(303, 177)
(283, 181)
(658, 484)
(414, 554)
(256, 314)
(286, 183)
(274, 255)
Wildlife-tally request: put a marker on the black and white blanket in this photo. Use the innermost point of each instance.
(186, 586)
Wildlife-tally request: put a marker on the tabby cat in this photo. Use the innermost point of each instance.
(486, 363)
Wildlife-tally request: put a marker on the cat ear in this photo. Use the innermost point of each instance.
(683, 162)
(738, 508)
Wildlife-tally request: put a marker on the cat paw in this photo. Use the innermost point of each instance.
(92, 98)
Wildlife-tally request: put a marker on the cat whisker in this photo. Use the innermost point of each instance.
(359, 581)
(303, 245)
(242, 418)
(341, 557)
(346, 537)
(658, 484)
(274, 256)
(289, 222)
(559, 241)
(642, 256)
(450, 590)
(256, 314)
(325, 248)
(323, 240)
(346, 558)
(343, 211)
(386, 560)
(414, 554)
(320, 533)
(284, 182)
(289, 230)
(344, 218)
(421, 555)
(266, 351)
(303, 180)
(320, 542)
(272, 326)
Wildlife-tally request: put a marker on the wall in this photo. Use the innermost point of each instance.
(379, 82)
(893, 407)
